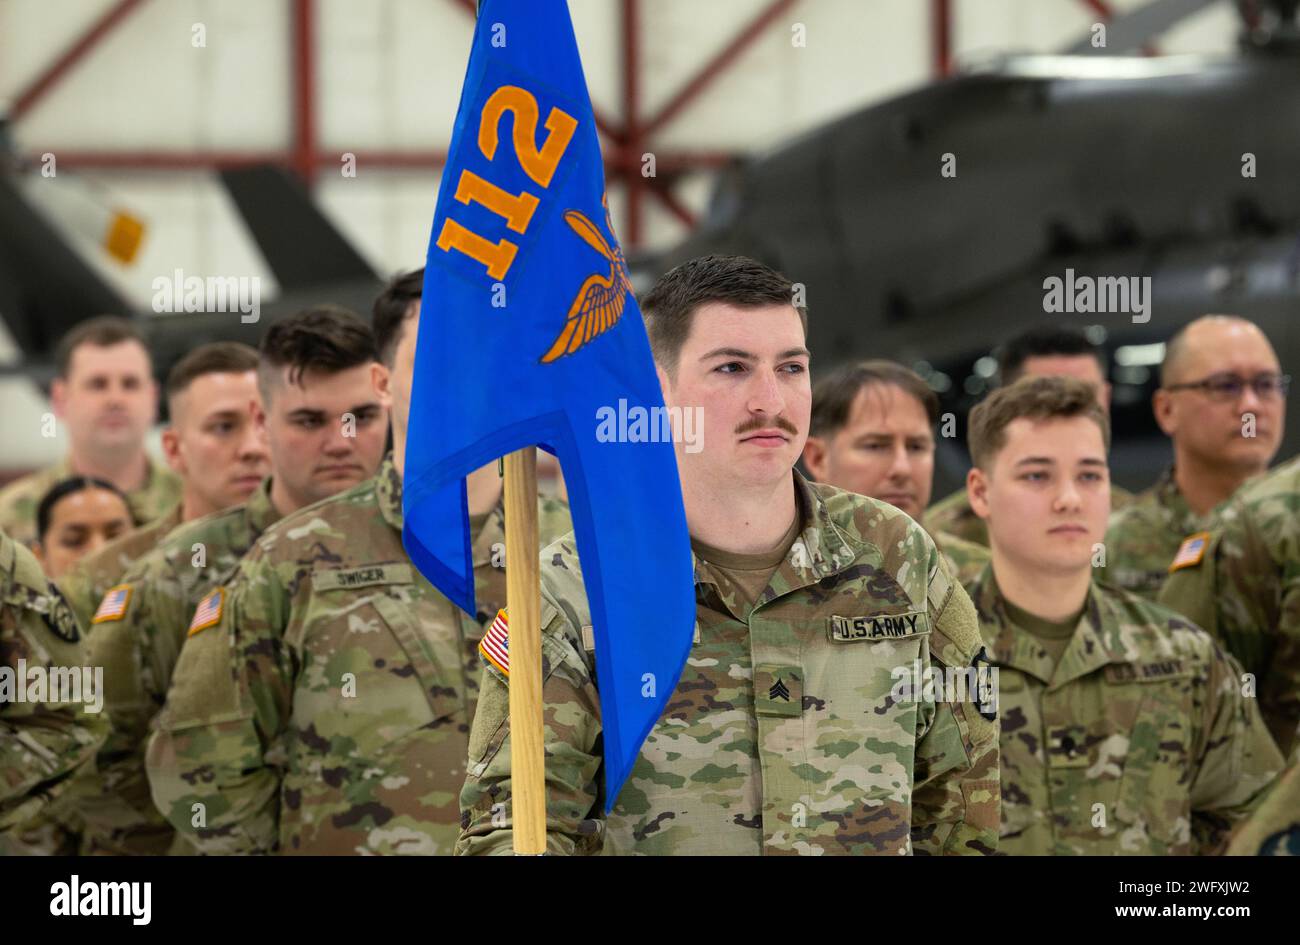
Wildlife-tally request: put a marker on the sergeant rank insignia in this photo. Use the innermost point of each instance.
(113, 606)
(495, 645)
(208, 612)
(1190, 552)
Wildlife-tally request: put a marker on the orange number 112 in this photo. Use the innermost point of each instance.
(538, 163)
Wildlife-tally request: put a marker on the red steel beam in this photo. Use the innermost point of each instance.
(632, 141)
(55, 71)
(941, 36)
(661, 190)
(304, 90)
(1250, 13)
(667, 163)
(163, 160)
(715, 66)
(222, 160)
(1099, 7)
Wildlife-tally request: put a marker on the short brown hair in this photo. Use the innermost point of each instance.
(391, 311)
(737, 280)
(833, 395)
(219, 357)
(101, 331)
(326, 338)
(1038, 398)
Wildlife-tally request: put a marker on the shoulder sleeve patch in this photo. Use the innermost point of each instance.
(208, 612)
(60, 619)
(114, 604)
(495, 645)
(1190, 552)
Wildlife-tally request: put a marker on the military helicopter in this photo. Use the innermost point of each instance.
(46, 286)
(928, 227)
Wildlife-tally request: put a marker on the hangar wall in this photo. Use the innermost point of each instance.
(387, 80)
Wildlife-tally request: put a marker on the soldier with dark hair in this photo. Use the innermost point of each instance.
(1044, 351)
(323, 421)
(78, 516)
(344, 728)
(785, 733)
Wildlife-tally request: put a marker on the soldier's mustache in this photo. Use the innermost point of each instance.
(759, 423)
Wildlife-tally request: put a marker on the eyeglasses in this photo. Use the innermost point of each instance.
(1229, 387)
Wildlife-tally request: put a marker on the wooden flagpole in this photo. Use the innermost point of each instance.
(523, 614)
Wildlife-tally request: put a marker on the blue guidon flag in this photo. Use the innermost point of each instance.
(528, 332)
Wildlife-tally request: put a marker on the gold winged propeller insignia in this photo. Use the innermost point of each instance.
(600, 301)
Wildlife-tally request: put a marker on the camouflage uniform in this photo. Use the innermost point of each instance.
(60, 826)
(1274, 828)
(734, 766)
(326, 710)
(1245, 591)
(84, 586)
(952, 515)
(20, 498)
(138, 649)
(41, 743)
(966, 559)
(1144, 537)
(1139, 742)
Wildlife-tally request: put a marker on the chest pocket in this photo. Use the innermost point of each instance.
(1155, 783)
(865, 697)
(399, 649)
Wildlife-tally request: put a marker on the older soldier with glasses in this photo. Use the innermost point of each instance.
(1222, 400)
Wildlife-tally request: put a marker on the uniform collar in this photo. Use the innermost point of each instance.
(1089, 649)
(388, 486)
(821, 549)
(261, 513)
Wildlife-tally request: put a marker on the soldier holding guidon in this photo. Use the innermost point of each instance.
(782, 735)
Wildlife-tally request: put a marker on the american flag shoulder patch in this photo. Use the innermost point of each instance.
(495, 645)
(114, 604)
(1190, 552)
(208, 612)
